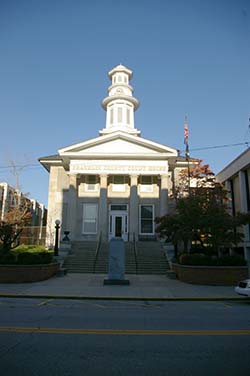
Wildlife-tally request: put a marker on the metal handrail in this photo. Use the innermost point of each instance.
(97, 250)
(135, 253)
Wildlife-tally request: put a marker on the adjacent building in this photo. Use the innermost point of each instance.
(11, 198)
(116, 183)
(236, 178)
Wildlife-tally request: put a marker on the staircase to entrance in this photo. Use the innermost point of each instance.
(149, 258)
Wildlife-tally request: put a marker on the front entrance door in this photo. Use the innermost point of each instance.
(118, 226)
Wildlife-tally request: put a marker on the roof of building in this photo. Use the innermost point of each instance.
(241, 162)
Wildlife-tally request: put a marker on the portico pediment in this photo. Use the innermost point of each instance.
(118, 144)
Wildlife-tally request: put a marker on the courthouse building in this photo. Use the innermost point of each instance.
(116, 183)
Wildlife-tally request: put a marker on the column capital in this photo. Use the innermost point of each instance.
(133, 179)
(103, 180)
(72, 179)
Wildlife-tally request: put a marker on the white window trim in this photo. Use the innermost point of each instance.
(153, 213)
(96, 222)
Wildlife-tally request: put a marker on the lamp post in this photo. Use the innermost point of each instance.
(57, 226)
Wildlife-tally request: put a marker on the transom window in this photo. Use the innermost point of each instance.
(119, 207)
(146, 219)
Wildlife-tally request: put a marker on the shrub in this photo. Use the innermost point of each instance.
(27, 255)
(204, 260)
(30, 248)
(8, 258)
(31, 258)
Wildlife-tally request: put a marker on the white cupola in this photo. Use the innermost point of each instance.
(120, 103)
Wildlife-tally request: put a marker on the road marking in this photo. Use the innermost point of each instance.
(44, 302)
(134, 332)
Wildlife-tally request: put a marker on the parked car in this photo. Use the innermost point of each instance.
(243, 288)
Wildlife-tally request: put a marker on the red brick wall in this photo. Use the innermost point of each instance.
(210, 275)
(27, 273)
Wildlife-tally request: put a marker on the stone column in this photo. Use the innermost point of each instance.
(229, 196)
(103, 207)
(134, 208)
(72, 206)
(164, 195)
(244, 209)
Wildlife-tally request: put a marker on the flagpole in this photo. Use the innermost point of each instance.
(187, 155)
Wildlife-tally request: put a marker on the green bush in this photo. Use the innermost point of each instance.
(28, 258)
(30, 248)
(9, 258)
(204, 260)
(27, 255)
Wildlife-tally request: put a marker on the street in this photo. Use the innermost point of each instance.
(88, 337)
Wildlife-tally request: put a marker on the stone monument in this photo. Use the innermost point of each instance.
(116, 271)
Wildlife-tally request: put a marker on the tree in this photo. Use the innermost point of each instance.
(14, 221)
(201, 217)
(196, 175)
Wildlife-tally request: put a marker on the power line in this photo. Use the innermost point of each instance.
(36, 165)
(220, 146)
(21, 166)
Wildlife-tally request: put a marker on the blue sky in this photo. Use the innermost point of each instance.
(188, 57)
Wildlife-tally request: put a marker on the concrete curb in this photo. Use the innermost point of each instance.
(125, 298)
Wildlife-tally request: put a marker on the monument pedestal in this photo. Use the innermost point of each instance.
(116, 263)
(116, 282)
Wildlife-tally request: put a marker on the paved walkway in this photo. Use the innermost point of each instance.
(90, 286)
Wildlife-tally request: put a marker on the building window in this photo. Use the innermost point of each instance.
(247, 189)
(146, 184)
(89, 218)
(146, 219)
(119, 114)
(111, 116)
(128, 116)
(119, 78)
(91, 184)
(118, 183)
(119, 207)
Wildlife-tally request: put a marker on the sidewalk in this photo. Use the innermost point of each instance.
(142, 287)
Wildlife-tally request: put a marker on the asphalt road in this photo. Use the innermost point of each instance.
(73, 337)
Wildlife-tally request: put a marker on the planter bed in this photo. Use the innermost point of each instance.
(27, 273)
(210, 275)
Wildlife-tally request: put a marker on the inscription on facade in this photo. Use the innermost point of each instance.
(115, 169)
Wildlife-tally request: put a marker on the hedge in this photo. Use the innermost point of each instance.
(199, 259)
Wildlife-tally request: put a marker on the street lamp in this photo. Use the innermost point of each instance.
(57, 226)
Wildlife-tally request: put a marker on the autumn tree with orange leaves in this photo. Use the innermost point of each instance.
(201, 216)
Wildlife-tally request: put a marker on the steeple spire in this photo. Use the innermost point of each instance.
(120, 103)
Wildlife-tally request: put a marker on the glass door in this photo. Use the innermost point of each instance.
(118, 226)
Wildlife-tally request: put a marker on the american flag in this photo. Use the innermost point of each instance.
(185, 132)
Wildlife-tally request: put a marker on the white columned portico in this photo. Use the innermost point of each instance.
(164, 195)
(72, 205)
(103, 207)
(133, 204)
